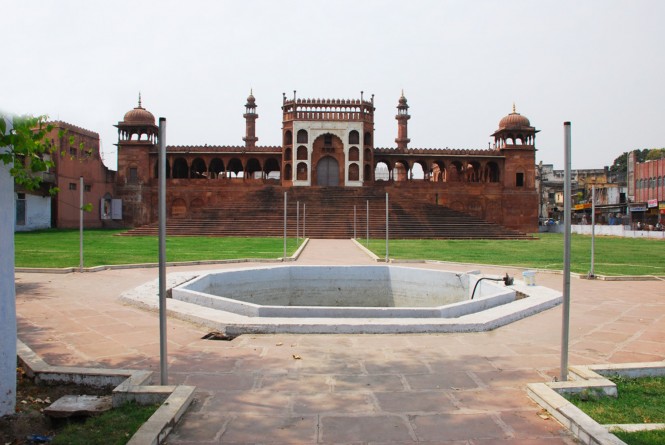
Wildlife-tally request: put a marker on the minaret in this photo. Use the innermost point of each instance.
(402, 119)
(250, 122)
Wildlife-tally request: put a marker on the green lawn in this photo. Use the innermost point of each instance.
(640, 400)
(614, 256)
(60, 248)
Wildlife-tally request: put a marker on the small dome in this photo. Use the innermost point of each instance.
(139, 115)
(514, 120)
(250, 100)
(401, 105)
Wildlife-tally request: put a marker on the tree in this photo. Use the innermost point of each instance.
(621, 163)
(23, 147)
(26, 149)
(655, 153)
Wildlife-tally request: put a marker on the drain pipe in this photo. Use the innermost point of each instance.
(507, 280)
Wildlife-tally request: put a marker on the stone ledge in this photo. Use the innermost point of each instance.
(587, 430)
(130, 385)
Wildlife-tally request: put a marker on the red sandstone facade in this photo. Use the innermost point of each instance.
(76, 154)
(330, 143)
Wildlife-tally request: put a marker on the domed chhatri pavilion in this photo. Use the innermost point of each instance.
(328, 151)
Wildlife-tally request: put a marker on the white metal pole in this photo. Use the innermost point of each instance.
(81, 224)
(387, 254)
(297, 220)
(567, 198)
(284, 257)
(304, 219)
(163, 365)
(592, 273)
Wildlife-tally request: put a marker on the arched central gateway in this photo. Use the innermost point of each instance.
(327, 172)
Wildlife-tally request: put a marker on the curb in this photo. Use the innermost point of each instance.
(367, 252)
(591, 378)
(130, 385)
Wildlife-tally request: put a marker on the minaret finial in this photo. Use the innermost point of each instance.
(514, 111)
(139, 99)
(402, 92)
(251, 91)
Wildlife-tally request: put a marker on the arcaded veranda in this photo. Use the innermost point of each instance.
(288, 388)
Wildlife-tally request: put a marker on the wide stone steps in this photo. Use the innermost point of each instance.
(328, 213)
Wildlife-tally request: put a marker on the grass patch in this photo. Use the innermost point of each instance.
(114, 427)
(60, 248)
(640, 400)
(656, 437)
(613, 255)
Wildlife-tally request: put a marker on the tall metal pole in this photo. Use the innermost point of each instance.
(592, 273)
(284, 225)
(387, 254)
(297, 220)
(567, 199)
(304, 219)
(81, 224)
(163, 366)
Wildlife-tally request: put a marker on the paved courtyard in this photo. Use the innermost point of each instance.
(345, 389)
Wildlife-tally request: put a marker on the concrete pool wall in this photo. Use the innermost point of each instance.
(343, 291)
(528, 300)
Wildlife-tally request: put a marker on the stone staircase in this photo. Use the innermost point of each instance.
(328, 212)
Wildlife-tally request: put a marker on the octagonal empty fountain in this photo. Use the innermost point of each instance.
(358, 299)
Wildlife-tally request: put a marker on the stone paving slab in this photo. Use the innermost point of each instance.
(81, 405)
(344, 388)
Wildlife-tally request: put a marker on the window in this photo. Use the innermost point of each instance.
(302, 137)
(354, 172)
(354, 137)
(87, 187)
(73, 151)
(519, 179)
(301, 154)
(72, 186)
(20, 209)
(133, 175)
(327, 143)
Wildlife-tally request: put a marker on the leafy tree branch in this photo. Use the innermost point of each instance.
(27, 149)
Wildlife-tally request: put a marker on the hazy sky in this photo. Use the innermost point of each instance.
(599, 64)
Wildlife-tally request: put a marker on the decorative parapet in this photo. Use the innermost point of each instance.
(73, 128)
(437, 151)
(222, 149)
